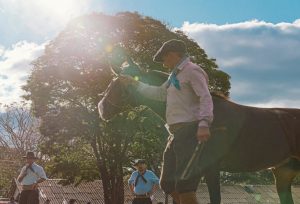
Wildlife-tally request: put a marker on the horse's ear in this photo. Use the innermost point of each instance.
(117, 57)
(130, 61)
(135, 65)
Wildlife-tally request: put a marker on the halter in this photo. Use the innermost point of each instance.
(126, 96)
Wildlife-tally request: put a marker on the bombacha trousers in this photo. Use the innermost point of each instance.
(29, 197)
(178, 151)
(141, 201)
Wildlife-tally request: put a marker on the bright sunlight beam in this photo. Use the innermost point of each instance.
(60, 9)
(41, 17)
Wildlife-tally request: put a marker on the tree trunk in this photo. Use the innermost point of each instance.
(119, 186)
(113, 186)
(112, 180)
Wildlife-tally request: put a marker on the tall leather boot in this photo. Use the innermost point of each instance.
(188, 198)
(175, 196)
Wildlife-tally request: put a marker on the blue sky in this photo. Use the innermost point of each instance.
(255, 41)
(211, 11)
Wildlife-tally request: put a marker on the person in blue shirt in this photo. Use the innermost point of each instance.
(142, 183)
(31, 175)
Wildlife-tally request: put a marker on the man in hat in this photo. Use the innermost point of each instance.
(189, 113)
(142, 183)
(72, 201)
(31, 175)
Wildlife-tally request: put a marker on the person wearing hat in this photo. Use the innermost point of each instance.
(72, 201)
(189, 113)
(142, 183)
(31, 175)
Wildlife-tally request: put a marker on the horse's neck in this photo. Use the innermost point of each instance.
(156, 106)
(154, 78)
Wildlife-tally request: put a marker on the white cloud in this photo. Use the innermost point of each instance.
(15, 68)
(242, 89)
(234, 61)
(256, 40)
(277, 104)
(262, 58)
(1, 51)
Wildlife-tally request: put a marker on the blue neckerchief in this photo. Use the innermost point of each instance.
(172, 78)
(140, 176)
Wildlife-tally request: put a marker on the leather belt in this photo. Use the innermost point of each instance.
(147, 195)
(177, 126)
(27, 187)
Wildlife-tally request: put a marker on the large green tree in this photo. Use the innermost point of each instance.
(66, 84)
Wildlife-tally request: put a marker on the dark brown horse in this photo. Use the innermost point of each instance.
(243, 138)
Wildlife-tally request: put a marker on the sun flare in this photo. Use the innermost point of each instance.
(60, 9)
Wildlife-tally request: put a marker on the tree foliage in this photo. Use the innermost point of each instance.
(66, 84)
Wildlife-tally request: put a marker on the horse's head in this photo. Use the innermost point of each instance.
(119, 95)
(115, 99)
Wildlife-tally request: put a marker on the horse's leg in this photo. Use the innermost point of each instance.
(212, 177)
(284, 176)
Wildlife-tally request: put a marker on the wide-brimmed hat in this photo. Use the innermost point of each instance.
(138, 161)
(30, 155)
(170, 46)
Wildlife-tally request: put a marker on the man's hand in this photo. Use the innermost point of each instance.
(34, 186)
(131, 188)
(203, 134)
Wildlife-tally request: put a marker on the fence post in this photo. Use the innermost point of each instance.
(166, 198)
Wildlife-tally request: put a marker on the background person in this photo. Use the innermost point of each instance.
(31, 175)
(72, 201)
(142, 183)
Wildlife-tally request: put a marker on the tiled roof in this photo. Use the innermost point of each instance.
(247, 194)
(93, 192)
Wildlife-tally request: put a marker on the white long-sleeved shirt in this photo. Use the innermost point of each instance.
(192, 102)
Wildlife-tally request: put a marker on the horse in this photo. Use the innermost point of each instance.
(244, 138)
